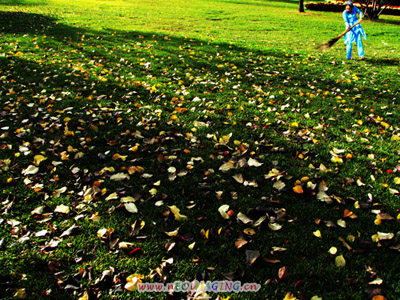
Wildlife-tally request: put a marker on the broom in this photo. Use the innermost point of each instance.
(326, 46)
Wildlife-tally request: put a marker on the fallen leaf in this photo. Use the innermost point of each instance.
(243, 218)
(38, 159)
(298, 189)
(176, 211)
(238, 178)
(251, 256)
(279, 185)
(227, 166)
(63, 209)
(290, 296)
(317, 233)
(240, 243)
(282, 273)
(132, 282)
(333, 250)
(119, 177)
(274, 226)
(223, 209)
(254, 163)
(340, 262)
(30, 170)
(131, 207)
(377, 281)
(379, 297)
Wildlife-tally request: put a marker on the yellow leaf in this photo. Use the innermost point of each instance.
(397, 180)
(298, 189)
(84, 297)
(132, 282)
(337, 159)
(340, 262)
(305, 179)
(38, 159)
(172, 233)
(333, 250)
(317, 233)
(117, 156)
(134, 148)
(386, 125)
(204, 233)
(290, 296)
(176, 211)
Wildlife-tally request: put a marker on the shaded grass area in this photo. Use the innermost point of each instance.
(177, 100)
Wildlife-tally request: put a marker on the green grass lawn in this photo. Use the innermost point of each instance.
(115, 113)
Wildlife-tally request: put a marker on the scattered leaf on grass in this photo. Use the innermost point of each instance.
(119, 177)
(176, 211)
(62, 209)
(31, 170)
(243, 218)
(274, 226)
(223, 209)
(240, 243)
(340, 262)
(251, 256)
(131, 207)
(298, 189)
(132, 282)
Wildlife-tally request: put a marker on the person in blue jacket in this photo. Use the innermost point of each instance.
(355, 34)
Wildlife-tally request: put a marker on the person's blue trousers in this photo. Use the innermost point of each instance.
(360, 48)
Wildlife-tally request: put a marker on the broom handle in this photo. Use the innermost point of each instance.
(347, 30)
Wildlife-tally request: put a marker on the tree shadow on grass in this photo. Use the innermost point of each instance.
(253, 66)
(385, 21)
(383, 61)
(35, 24)
(22, 2)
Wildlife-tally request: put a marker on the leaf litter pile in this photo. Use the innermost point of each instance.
(129, 157)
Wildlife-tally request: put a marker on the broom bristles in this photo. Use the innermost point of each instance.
(326, 46)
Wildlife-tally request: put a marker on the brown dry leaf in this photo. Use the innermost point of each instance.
(271, 260)
(240, 243)
(282, 273)
(349, 214)
(249, 231)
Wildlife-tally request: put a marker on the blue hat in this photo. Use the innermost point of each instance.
(349, 3)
